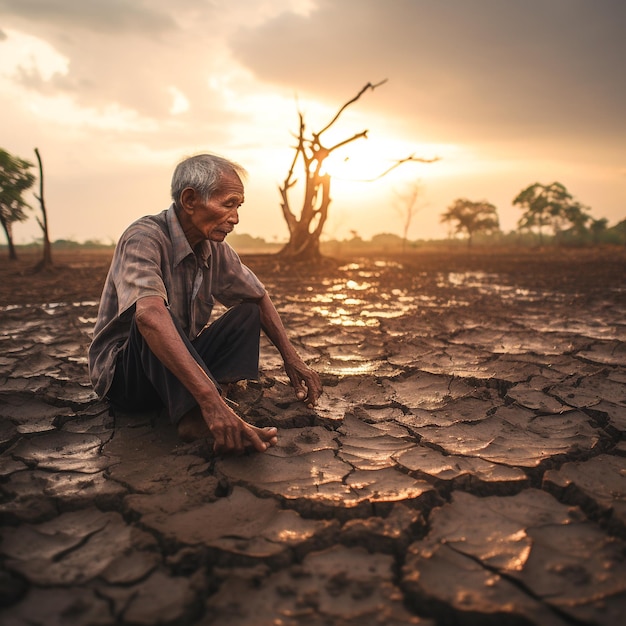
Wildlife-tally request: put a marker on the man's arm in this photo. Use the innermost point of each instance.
(231, 433)
(304, 380)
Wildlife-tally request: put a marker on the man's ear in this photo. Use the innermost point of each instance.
(189, 199)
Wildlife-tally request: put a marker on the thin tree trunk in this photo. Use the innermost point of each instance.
(46, 261)
(9, 234)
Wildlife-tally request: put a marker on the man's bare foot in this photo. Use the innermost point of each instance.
(192, 427)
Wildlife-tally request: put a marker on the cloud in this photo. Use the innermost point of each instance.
(93, 15)
(478, 69)
(458, 71)
(133, 54)
(115, 91)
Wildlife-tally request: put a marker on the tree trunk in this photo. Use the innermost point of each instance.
(302, 246)
(7, 230)
(46, 261)
(305, 233)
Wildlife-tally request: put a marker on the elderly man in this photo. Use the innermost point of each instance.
(152, 344)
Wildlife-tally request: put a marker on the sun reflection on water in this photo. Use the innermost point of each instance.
(369, 292)
(353, 368)
(343, 317)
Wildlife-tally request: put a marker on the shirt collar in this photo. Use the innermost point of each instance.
(180, 246)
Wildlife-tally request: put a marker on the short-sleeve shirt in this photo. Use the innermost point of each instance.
(154, 258)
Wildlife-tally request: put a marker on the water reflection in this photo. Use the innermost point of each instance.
(49, 307)
(350, 368)
(488, 284)
(343, 317)
(369, 292)
(345, 286)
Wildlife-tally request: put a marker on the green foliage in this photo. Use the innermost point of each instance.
(552, 206)
(619, 232)
(597, 232)
(15, 179)
(387, 240)
(472, 217)
(244, 240)
(89, 244)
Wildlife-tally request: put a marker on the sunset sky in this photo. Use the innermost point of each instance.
(507, 92)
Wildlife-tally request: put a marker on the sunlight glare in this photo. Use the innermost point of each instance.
(369, 159)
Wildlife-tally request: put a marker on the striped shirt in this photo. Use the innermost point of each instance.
(154, 258)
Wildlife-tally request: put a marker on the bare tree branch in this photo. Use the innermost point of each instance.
(408, 159)
(346, 141)
(347, 104)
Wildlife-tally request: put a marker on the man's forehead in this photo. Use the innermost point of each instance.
(230, 183)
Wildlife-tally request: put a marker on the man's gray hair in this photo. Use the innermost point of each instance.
(202, 173)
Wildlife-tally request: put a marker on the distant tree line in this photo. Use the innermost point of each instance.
(548, 211)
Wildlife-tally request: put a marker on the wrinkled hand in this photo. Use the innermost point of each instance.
(234, 435)
(305, 381)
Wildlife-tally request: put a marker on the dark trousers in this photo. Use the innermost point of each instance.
(227, 350)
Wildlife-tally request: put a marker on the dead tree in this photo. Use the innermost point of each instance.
(305, 231)
(46, 261)
(407, 209)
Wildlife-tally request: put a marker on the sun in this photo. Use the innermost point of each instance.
(350, 167)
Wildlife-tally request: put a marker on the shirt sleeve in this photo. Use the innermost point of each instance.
(138, 271)
(235, 281)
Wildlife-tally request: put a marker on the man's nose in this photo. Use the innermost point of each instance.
(233, 218)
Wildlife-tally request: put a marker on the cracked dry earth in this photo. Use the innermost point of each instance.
(466, 464)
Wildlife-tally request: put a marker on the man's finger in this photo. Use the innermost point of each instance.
(255, 440)
(296, 382)
(269, 434)
(265, 432)
(315, 389)
(311, 397)
(230, 444)
(219, 436)
(238, 442)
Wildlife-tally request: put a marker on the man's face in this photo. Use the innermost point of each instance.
(216, 218)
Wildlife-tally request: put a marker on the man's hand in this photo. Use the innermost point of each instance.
(233, 435)
(305, 381)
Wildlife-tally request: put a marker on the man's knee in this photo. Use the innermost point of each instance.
(246, 314)
(250, 309)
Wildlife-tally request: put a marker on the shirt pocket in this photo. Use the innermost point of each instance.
(201, 310)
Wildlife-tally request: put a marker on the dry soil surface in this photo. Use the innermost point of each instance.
(466, 463)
